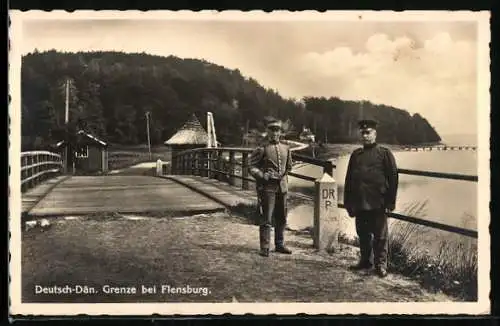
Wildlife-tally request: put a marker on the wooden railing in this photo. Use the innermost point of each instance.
(231, 165)
(37, 166)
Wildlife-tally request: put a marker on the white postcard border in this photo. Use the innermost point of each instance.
(480, 307)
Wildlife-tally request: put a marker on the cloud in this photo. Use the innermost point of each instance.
(437, 79)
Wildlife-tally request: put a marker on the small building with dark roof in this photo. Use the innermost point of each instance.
(85, 154)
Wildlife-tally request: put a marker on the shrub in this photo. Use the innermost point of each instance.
(449, 265)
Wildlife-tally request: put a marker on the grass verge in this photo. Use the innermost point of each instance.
(438, 260)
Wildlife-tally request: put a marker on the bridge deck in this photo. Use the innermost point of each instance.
(34, 195)
(80, 195)
(220, 192)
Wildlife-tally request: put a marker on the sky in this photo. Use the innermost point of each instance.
(422, 67)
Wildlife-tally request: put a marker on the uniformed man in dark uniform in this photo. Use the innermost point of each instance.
(370, 191)
(269, 164)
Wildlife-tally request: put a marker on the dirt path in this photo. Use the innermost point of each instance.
(215, 251)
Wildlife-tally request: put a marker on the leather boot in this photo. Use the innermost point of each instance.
(381, 271)
(283, 250)
(360, 266)
(264, 252)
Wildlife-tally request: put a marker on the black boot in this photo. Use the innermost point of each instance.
(360, 266)
(381, 271)
(264, 252)
(283, 250)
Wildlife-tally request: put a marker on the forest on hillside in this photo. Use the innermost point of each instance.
(110, 93)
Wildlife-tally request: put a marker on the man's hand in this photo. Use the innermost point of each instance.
(271, 175)
(388, 210)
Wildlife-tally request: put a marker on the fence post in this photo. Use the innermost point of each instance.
(326, 214)
(159, 167)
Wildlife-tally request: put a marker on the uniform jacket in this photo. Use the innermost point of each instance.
(275, 159)
(371, 181)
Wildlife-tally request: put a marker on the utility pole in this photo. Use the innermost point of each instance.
(66, 121)
(245, 137)
(66, 116)
(149, 138)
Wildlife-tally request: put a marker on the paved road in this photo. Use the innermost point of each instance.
(121, 194)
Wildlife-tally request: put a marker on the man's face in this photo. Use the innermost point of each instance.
(274, 133)
(368, 135)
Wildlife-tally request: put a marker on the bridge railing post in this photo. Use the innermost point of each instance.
(23, 172)
(43, 167)
(191, 166)
(37, 168)
(244, 171)
(196, 163)
(34, 162)
(184, 163)
(30, 169)
(222, 165)
(208, 164)
(218, 164)
(327, 222)
(232, 168)
(227, 168)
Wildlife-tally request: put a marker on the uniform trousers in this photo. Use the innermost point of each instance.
(273, 204)
(372, 230)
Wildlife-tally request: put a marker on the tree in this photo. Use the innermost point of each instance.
(110, 91)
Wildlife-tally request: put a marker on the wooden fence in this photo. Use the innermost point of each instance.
(37, 166)
(231, 164)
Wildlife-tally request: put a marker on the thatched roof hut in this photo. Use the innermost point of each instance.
(191, 135)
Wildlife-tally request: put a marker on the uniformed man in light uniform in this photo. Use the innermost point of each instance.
(370, 191)
(269, 164)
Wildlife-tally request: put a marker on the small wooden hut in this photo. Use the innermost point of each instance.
(190, 136)
(85, 154)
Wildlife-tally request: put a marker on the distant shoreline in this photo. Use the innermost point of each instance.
(332, 150)
(335, 150)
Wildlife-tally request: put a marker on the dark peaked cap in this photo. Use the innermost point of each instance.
(273, 122)
(367, 123)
